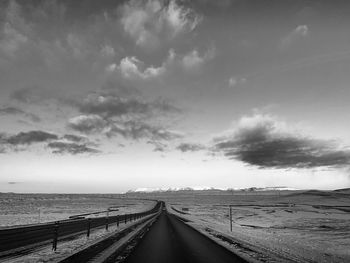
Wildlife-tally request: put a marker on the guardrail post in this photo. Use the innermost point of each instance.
(88, 227)
(230, 218)
(55, 236)
(107, 220)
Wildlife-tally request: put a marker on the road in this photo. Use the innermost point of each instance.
(172, 241)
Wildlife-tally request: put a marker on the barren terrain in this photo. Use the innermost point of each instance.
(21, 209)
(272, 226)
(304, 226)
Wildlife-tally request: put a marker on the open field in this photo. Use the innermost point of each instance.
(303, 226)
(310, 226)
(21, 209)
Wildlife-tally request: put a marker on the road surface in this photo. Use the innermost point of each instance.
(171, 241)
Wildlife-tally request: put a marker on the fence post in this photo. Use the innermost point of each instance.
(55, 236)
(88, 227)
(107, 220)
(230, 218)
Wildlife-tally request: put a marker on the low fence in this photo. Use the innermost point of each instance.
(19, 237)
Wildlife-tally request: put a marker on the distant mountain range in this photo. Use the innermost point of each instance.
(205, 188)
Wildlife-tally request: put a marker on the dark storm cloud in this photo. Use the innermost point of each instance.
(259, 142)
(30, 137)
(17, 111)
(70, 148)
(190, 147)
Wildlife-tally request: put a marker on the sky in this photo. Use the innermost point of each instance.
(110, 96)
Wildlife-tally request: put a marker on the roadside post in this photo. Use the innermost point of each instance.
(88, 227)
(125, 218)
(55, 236)
(117, 221)
(231, 218)
(107, 219)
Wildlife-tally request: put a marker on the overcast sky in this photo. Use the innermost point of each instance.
(107, 96)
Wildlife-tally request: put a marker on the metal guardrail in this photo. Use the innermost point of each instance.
(17, 237)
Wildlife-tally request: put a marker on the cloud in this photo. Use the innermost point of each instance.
(193, 60)
(116, 106)
(13, 183)
(17, 111)
(234, 81)
(3, 143)
(190, 147)
(12, 40)
(298, 33)
(88, 124)
(32, 95)
(108, 51)
(131, 67)
(70, 148)
(74, 138)
(139, 130)
(129, 129)
(150, 22)
(31, 137)
(14, 30)
(119, 110)
(158, 146)
(263, 141)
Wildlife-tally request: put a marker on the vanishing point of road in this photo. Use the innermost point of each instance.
(171, 241)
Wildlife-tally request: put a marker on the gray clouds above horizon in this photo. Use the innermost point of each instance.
(70, 148)
(130, 72)
(190, 147)
(263, 141)
(69, 143)
(18, 111)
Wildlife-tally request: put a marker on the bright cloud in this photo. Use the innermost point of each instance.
(234, 81)
(193, 60)
(131, 67)
(150, 22)
(297, 34)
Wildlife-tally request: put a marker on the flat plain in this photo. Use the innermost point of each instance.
(303, 226)
(300, 226)
(22, 209)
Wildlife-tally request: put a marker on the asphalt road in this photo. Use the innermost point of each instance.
(172, 241)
